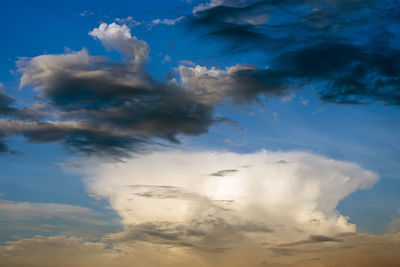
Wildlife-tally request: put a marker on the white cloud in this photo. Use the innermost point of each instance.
(86, 13)
(168, 22)
(167, 58)
(263, 197)
(128, 21)
(118, 37)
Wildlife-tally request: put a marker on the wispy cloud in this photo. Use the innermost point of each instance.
(329, 43)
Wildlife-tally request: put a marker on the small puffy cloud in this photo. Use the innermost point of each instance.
(118, 37)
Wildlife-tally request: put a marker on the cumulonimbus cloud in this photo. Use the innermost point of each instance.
(220, 209)
(254, 197)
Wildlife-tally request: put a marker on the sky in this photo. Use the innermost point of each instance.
(200, 133)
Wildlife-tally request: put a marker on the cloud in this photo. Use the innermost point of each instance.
(6, 108)
(355, 248)
(16, 211)
(130, 21)
(242, 83)
(21, 219)
(56, 250)
(168, 22)
(332, 44)
(348, 73)
(99, 107)
(263, 214)
(114, 36)
(245, 199)
(104, 108)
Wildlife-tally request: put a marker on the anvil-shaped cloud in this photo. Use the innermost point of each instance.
(209, 200)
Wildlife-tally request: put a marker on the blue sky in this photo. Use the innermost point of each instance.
(314, 82)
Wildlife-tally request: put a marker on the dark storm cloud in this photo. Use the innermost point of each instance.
(349, 74)
(349, 49)
(103, 108)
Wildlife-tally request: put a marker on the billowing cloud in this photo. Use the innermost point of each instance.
(210, 200)
(114, 36)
